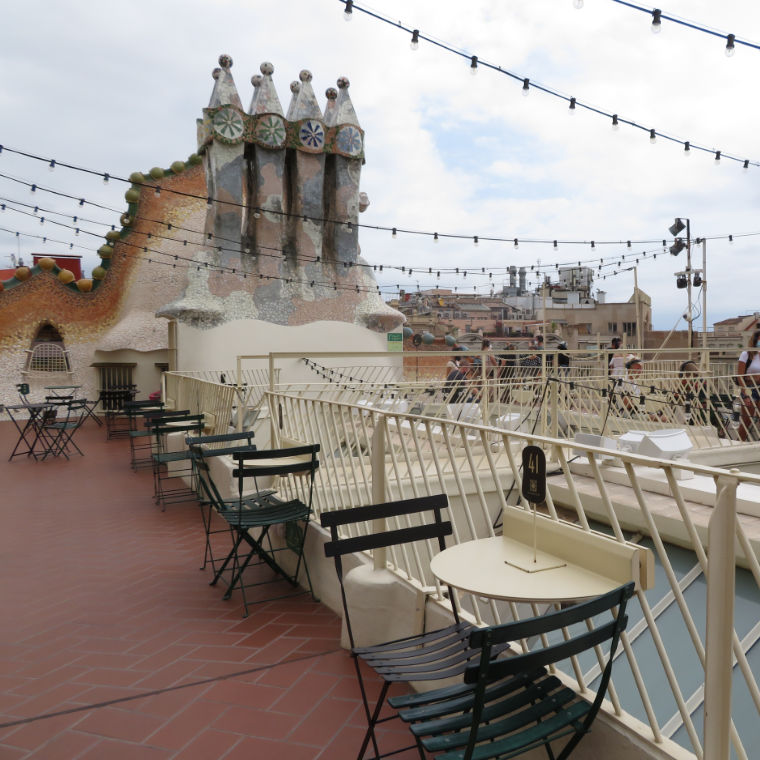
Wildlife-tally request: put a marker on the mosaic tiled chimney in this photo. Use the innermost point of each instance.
(284, 202)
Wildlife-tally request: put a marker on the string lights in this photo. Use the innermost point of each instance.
(573, 103)
(394, 230)
(600, 263)
(657, 17)
(326, 220)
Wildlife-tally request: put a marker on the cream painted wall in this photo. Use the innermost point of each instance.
(219, 347)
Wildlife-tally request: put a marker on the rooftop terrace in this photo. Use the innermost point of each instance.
(114, 645)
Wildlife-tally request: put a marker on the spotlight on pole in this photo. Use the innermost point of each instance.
(681, 281)
(677, 246)
(676, 227)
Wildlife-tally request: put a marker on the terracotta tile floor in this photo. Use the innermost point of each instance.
(113, 645)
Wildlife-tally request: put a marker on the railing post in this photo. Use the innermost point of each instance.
(378, 482)
(273, 436)
(721, 570)
(484, 385)
(555, 409)
(542, 410)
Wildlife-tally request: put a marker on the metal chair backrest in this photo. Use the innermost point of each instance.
(205, 440)
(301, 460)
(199, 457)
(491, 669)
(436, 529)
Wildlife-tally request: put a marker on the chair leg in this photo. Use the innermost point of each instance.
(371, 719)
(236, 540)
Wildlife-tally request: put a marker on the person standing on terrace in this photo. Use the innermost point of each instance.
(748, 379)
(615, 360)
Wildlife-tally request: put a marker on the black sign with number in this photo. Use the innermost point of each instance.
(534, 474)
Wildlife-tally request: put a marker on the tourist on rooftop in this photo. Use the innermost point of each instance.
(615, 360)
(748, 379)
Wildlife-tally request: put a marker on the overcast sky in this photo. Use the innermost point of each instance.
(117, 87)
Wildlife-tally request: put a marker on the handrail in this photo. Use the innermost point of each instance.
(475, 465)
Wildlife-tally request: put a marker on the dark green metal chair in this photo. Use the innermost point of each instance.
(173, 465)
(140, 440)
(251, 521)
(57, 432)
(511, 705)
(202, 448)
(430, 656)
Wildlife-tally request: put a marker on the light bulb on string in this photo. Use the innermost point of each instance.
(571, 107)
(578, 4)
(415, 43)
(687, 149)
(717, 157)
(435, 237)
(106, 177)
(348, 13)
(51, 165)
(652, 136)
(517, 244)
(746, 164)
(656, 21)
(730, 47)
(615, 124)
(526, 87)
(393, 233)
(475, 239)
(473, 65)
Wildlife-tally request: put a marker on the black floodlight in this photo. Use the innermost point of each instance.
(681, 281)
(677, 247)
(697, 279)
(676, 227)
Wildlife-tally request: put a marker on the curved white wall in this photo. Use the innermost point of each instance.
(219, 347)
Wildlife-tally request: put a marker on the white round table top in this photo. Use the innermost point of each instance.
(482, 568)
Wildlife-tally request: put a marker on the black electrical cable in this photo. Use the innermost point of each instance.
(573, 102)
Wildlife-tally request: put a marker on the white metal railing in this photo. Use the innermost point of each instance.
(211, 399)
(478, 468)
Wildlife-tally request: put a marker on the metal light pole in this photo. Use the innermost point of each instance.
(675, 249)
(688, 284)
(705, 354)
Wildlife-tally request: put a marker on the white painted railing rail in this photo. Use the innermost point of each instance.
(667, 505)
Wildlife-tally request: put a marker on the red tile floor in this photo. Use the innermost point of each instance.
(113, 645)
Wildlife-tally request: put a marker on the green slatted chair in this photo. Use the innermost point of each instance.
(141, 443)
(511, 705)
(173, 465)
(430, 656)
(251, 520)
(58, 434)
(209, 498)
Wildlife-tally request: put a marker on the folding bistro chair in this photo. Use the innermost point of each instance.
(511, 705)
(431, 656)
(173, 465)
(253, 517)
(209, 497)
(114, 402)
(141, 444)
(29, 429)
(57, 434)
